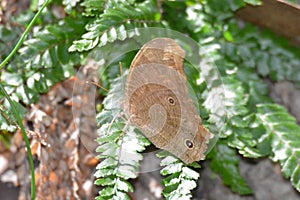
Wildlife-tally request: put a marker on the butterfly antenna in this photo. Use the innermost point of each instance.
(98, 85)
(112, 122)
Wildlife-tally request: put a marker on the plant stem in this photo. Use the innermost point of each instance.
(12, 103)
(5, 61)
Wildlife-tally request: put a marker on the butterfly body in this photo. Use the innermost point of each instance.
(157, 101)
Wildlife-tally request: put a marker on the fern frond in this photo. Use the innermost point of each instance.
(119, 147)
(227, 102)
(113, 23)
(236, 129)
(264, 52)
(93, 7)
(268, 129)
(283, 135)
(43, 61)
(96, 7)
(181, 178)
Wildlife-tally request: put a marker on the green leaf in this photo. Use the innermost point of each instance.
(108, 162)
(62, 53)
(124, 185)
(104, 172)
(12, 79)
(171, 169)
(7, 112)
(127, 172)
(186, 186)
(173, 179)
(189, 173)
(6, 124)
(121, 195)
(284, 135)
(263, 65)
(105, 181)
(163, 154)
(169, 160)
(225, 162)
(106, 192)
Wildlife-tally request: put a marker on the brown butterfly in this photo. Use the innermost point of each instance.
(157, 101)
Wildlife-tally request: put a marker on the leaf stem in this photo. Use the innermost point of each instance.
(5, 61)
(29, 154)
